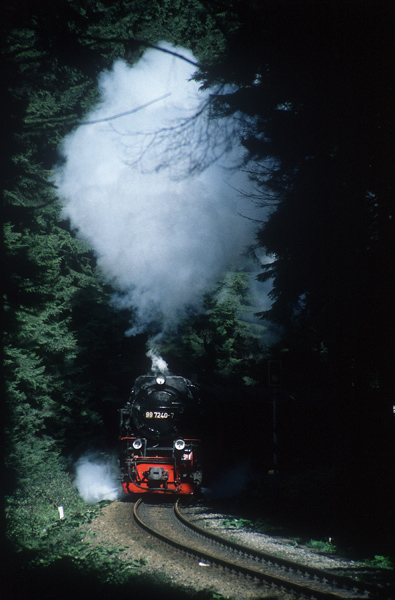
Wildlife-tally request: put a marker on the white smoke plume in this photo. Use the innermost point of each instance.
(159, 365)
(160, 239)
(97, 478)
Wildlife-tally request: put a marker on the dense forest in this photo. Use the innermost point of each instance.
(311, 85)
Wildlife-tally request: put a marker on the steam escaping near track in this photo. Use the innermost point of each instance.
(160, 239)
(97, 478)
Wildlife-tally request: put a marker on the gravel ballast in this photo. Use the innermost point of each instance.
(115, 527)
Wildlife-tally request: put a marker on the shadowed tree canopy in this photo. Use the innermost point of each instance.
(223, 344)
(316, 82)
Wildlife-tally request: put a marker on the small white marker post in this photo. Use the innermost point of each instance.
(61, 512)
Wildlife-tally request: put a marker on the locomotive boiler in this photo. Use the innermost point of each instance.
(158, 433)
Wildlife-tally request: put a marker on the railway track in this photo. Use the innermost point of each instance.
(166, 522)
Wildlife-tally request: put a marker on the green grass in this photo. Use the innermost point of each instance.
(322, 546)
(259, 525)
(238, 523)
(381, 562)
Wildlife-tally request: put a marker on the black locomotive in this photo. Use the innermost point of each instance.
(158, 427)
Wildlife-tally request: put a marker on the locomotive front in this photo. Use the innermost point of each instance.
(158, 433)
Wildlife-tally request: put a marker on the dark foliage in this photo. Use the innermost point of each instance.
(316, 82)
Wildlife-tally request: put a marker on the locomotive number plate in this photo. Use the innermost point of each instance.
(158, 415)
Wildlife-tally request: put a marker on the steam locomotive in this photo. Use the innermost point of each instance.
(160, 450)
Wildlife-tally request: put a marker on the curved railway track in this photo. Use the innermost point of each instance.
(166, 522)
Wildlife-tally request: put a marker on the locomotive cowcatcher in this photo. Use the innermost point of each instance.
(160, 450)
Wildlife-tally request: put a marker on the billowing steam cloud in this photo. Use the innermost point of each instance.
(160, 239)
(97, 478)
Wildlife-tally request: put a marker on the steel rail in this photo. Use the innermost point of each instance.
(304, 590)
(330, 578)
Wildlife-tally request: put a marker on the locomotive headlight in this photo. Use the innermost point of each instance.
(179, 444)
(137, 443)
(161, 380)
